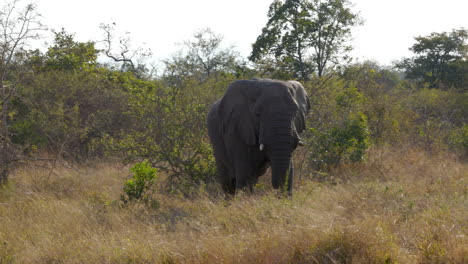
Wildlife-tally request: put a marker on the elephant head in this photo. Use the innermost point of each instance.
(267, 116)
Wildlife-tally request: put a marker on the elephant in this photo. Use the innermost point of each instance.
(256, 125)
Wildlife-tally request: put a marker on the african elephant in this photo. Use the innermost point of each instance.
(256, 124)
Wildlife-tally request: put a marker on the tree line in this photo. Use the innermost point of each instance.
(66, 104)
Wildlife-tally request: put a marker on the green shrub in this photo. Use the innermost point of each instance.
(143, 178)
(338, 128)
(440, 116)
(169, 131)
(66, 113)
(345, 143)
(458, 140)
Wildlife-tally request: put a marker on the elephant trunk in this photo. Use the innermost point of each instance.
(282, 146)
(280, 171)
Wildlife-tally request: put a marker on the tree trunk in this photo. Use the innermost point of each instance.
(4, 162)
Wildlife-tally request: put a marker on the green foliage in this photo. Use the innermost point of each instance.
(305, 36)
(348, 98)
(345, 143)
(19, 24)
(66, 104)
(458, 140)
(143, 178)
(168, 126)
(169, 131)
(339, 131)
(201, 57)
(438, 114)
(67, 54)
(379, 87)
(68, 112)
(371, 79)
(440, 60)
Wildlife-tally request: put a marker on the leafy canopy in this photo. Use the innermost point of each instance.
(305, 36)
(441, 59)
(68, 54)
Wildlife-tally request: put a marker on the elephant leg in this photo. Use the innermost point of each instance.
(290, 178)
(245, 177)
(226, 179)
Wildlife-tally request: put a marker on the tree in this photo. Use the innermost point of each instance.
(67, 54)
(305, 35)
(18, 25)
(441, 60)
(202, 57)
(69, 103)
(206, 53)
(130, 58)
(169, 131)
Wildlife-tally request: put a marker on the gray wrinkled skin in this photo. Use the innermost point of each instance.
(257, 124)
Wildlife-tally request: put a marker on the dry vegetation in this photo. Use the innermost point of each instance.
(398, 207)
(401, 205)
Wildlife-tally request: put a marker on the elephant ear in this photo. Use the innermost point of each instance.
(304, 105)
(236, 112)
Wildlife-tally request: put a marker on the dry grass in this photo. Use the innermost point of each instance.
(399, 207)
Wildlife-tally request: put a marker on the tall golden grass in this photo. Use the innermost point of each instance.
(402, 206)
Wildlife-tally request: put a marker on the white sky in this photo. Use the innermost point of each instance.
(388, 31)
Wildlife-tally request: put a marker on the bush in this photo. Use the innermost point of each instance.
(137, 188)
(338, 128)
(346, 143)
(458, 140)
(169, 131)
(66, 113)
(438, 115)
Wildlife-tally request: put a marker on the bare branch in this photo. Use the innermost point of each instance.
(16, 27)
(125, 54)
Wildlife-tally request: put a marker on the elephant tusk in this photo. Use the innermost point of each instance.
(299, 140)
(261, 147)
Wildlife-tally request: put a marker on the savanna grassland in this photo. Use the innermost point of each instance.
(105, 157)
(401, 206)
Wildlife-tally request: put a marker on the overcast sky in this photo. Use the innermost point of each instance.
(388, 31)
